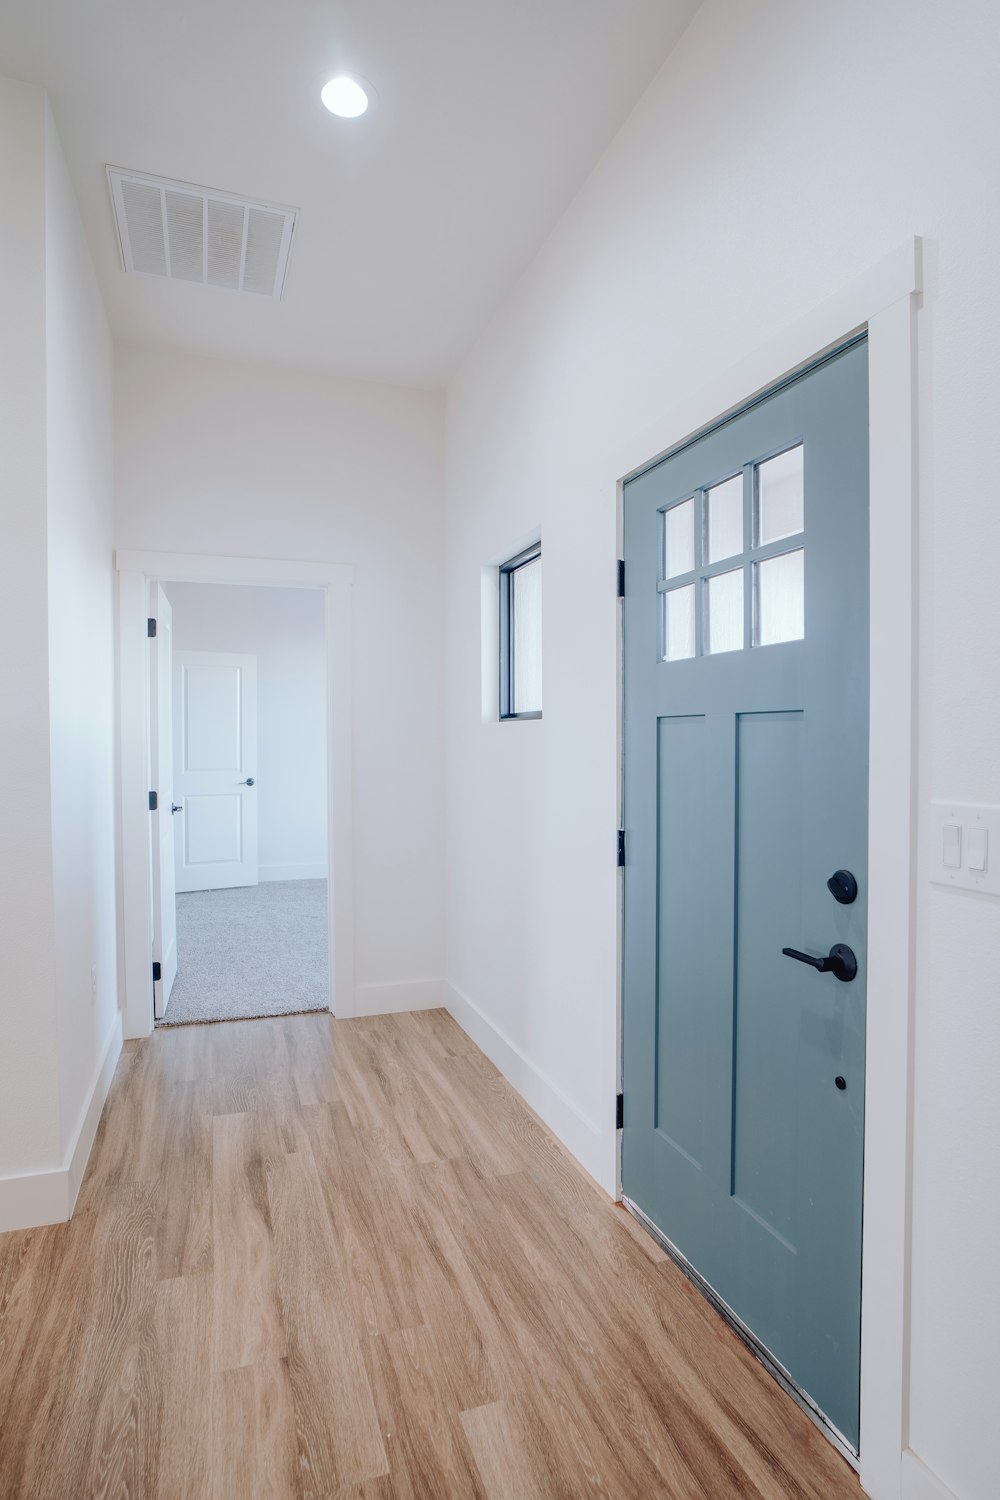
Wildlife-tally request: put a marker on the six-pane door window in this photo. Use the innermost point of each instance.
(732, 565)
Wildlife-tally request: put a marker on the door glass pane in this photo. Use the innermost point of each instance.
(724, 507)
(678, 539)
(678, 623)
(724, 612)
(779, 497)
(527, 637)
(780, 599)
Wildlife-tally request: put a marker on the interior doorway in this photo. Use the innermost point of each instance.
(239, 835)
(284, 861)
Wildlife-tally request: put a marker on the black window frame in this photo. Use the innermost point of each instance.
(507, 570)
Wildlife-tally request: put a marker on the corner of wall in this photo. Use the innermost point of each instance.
(390, 999)
(57, 896)
(31, 1199)
(920, 1483)
(82, 1139)
(80, 678)
(592, 1148)
(28, 1070)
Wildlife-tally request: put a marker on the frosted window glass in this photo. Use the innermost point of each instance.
(526, 604)
(779, 498)
(781, 598)
(724, 612)
(678, 539)
(678, 623)
(724, 506)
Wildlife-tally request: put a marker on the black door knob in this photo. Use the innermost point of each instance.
(248, 782)
(176, 806)
(840, 961)
(843, 887)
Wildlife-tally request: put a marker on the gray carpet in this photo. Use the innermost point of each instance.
(260, 950)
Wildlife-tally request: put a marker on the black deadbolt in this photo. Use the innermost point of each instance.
(843, 887)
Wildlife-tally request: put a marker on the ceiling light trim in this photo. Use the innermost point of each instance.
(273, 249)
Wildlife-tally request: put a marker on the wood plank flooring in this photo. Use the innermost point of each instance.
(316, 1258)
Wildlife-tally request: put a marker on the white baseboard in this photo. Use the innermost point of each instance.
(49, 1197)
(921, 1483)
(580, 1135)
(390, 999)
(292, 872)
(34, 1198)
(82, 1142)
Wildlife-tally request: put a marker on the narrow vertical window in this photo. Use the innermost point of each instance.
(521, 635)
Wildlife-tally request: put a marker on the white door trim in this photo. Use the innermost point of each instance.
(135, 572)
(161, 755)
(883, 301)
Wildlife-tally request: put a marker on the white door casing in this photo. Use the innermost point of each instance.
(136, 570)
(215, 766)
(884, 299)
(162, 782)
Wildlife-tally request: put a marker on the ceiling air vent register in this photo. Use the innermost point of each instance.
(189, 233)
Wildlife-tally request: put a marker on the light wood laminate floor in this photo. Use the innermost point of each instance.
(320, 1258)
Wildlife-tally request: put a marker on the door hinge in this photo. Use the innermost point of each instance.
(620, 1112)
(150, 627)
(621, 847)
(621, 578)
(153, 800)
(157, 971)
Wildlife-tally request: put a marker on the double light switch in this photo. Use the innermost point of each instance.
(965, 846)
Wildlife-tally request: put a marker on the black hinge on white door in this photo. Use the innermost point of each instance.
(621, 848)
(621, 578)
(150, 627)
(153, 801)
(157, 971)
(620, 1112)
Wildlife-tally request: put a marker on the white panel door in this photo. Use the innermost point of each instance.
(215, 763)
(162, 781)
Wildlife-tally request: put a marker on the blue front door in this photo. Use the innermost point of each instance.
(746, 781)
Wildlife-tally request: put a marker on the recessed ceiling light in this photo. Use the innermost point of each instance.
(345, 97)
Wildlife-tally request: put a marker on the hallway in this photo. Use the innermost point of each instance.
(316, 1258)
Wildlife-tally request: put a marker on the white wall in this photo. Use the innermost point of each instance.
(264, 461)
(81, 647)
(784, 148)
(284, 629)
(58, 958)
(29, 1114)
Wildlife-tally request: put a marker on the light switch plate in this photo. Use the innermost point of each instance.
(978, 824)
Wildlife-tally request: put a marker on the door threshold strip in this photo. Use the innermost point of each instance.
(757, 1349)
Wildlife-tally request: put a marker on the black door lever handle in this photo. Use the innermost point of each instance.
(840, 961)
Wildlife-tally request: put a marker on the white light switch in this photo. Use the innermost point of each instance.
(976, 848)
(960, 838)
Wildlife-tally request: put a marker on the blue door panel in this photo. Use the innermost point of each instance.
(745, 789)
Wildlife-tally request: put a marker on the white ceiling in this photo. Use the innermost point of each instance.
(415, 219)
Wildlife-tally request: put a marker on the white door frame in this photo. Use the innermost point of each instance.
(883, 302)
(162, 778)
(135, 572)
